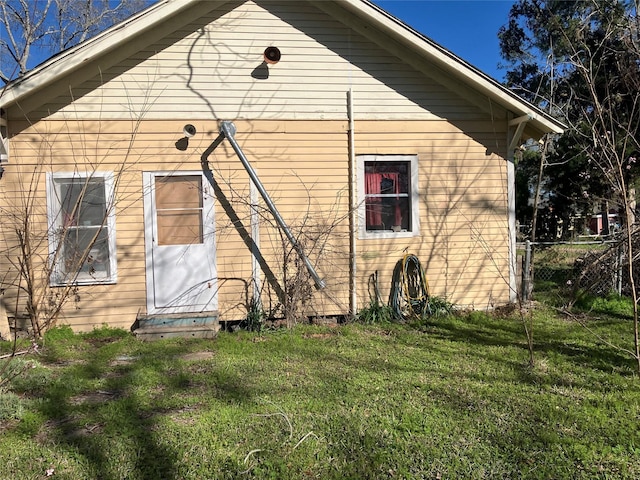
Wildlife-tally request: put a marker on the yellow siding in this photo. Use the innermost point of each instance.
(214, 69)
(464, 243)
(304, 166)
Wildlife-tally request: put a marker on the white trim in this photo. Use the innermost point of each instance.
(53, 218)
(363, 234)
(148, 200)
(517, 135)
(513, 138)
(511, 231)
(4, 140)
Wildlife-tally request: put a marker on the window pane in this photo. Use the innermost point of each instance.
(179, 227)
(388, 213)
(405, 213)
(179, 210)
(86, 251)
(82, 201)
(178, 192)
(83, 228)
(387, 196)
(393, 177)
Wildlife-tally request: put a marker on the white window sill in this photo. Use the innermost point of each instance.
(386, 234)
(86, 282)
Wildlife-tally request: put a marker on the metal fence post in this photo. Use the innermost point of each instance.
(526, 272)
(619, 279)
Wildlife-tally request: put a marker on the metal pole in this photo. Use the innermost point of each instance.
(255, 235)
(353, 208)
(228, 129)
(619, 274)
(526, 272)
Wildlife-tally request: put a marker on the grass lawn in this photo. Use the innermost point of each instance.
(451, 398)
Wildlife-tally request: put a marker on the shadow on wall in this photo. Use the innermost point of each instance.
(236, 221)
(464, 233)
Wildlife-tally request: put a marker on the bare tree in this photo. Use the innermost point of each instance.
(52, 250)
(607, 127)
(32, 30)
(591, 51)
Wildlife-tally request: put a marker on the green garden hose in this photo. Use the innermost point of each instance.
(409, 297)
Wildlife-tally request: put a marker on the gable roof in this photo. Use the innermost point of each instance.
(115, 44)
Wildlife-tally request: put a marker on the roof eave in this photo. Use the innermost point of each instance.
(454, 65)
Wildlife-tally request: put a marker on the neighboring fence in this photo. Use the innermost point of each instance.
(597, 267)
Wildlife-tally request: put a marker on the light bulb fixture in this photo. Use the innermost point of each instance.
(272, 55)
(189, 130)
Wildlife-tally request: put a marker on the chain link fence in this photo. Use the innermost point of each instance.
(595, 267)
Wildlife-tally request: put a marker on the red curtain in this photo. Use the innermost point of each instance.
(373, 183)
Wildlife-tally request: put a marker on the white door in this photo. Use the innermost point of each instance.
(179, 243)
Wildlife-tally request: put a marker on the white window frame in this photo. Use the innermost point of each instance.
(363, 233)
(58, 276)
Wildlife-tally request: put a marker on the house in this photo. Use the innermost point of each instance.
(204, 155)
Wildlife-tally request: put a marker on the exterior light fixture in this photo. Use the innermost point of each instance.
(272, 55)
(189, 130)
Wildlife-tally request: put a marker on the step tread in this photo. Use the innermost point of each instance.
(188, 331)
(185, 328)
(177, 320)
(212, 314)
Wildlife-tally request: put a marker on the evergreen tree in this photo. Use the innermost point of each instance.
(580, 61)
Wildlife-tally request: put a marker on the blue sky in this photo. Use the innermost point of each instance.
(468, 28)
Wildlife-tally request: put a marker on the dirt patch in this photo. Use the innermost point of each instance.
(331, 322)
(196, 356)
(6, 425)
(65, 363)
(86, 431)
(99, 342)
(185, 415)
(122, 360)
(113, 375)
(49, 429)
(101, 396)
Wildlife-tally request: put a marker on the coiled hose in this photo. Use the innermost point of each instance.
(409, 297)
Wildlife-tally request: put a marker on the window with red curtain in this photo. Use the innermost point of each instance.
(387, 203)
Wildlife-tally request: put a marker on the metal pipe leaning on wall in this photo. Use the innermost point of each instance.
(228, 129)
